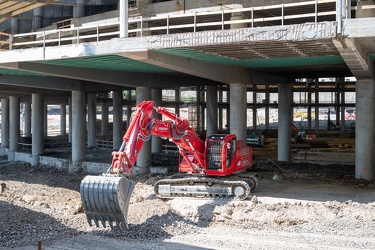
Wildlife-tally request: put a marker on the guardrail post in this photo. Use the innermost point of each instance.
(141, 26)
(77, 35)
(252, 17)
(282, 14)
(123, 11)
(167, 24)
(222, 19)
(339, 15)
(10, 42)
(59, 37)
(97, 33)
(195, 21)
(316, 11)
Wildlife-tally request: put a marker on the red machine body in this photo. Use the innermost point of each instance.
(219, 155)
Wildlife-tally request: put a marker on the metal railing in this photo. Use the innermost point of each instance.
(324, 157)
(281, 14)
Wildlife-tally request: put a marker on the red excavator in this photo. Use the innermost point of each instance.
(213, 168)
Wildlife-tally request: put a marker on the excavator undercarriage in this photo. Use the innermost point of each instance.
(206, 187)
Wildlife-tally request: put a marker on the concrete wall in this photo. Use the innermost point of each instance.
(63, 164)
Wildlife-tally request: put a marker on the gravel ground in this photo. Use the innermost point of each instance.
(297, 206)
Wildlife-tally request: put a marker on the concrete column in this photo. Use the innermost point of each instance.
(267, 108)
(228, 110)
(362, 10)
(79, 9)
(342, 94)
(45, 120)
(211, 108)
(317, 106)
(62, 119)
(104, 124)
(15, 27)
(144, 156)
(177, 100)
(37, 133)
(37, 19)
(123, 12)
(237, 16)
(254, 110)
(91, 112)
(309, 109)
(27, 116)
(285, 116)
(220, 110)
(14, 128)
(199, 110)
(156, 142)
(238, 106)
(364, 129)
(78, 130)
(117, 119)
(4, 126)
(70, 120)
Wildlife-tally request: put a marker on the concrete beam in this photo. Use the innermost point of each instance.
(120, 78)
(216, 72)
(51, 83)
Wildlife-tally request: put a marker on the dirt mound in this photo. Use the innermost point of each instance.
(41, 204)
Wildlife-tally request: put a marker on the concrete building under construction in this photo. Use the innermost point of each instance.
(234, 56)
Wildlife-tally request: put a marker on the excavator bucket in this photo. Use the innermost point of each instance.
(106, 199)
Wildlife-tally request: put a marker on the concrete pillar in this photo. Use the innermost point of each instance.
(220, 110)
(267, 108)
(238, 106)
(309, 109)
(123, 12)
(199, 111)
(70, 120)
(37, 133)
(37, 19)
(211, 108)
(117, 119)
(27, 117)
(45, 124)
(177, 101)
(78, 130)
(62, 119)
(342, 94)
(228, 110)
(79, 9)
(15, 27)
(91, 113)
(144, 156)
(254, 110)
(237, 16)
(364, 129)
(4, 126)
(362, 10)
(14, 128)
(285, 116)
(104, 124)
(317, 106)
(156, 142)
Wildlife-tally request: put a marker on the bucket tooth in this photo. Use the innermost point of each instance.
(106, 199)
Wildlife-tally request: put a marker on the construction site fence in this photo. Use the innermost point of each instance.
(321, 157)
(272, 15)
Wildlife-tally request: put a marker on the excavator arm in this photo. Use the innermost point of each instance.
(106, 198)
(142, 126)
